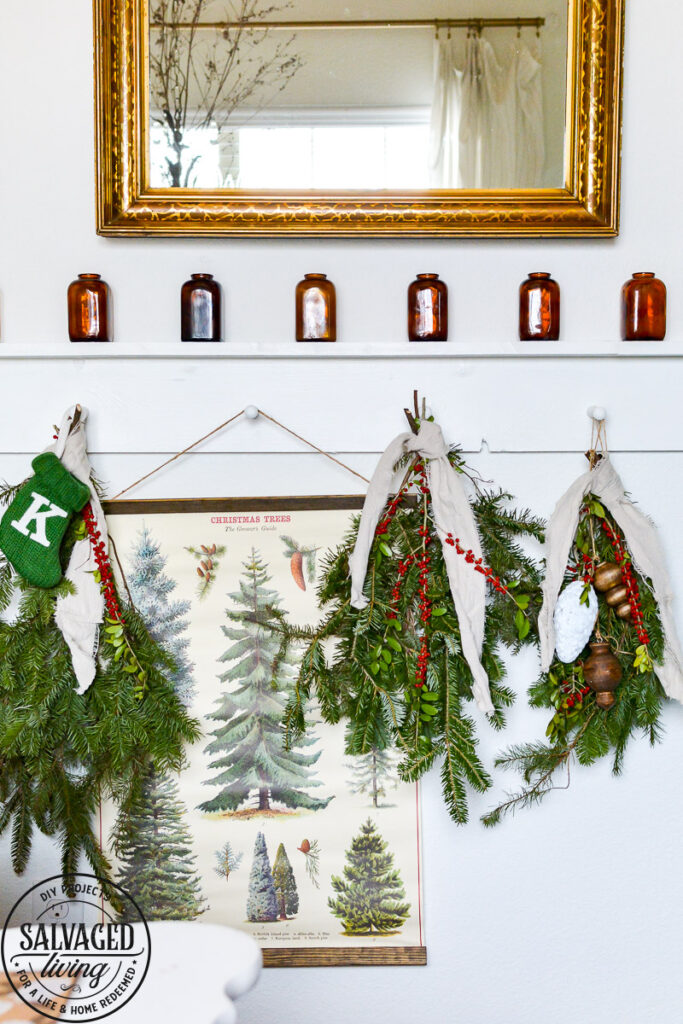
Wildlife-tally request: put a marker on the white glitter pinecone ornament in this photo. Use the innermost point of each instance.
(574, 621)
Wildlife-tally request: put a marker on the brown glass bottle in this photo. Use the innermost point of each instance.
(88, 302)
(316, 309)
(539, 308)
(428, 309)
(200, 309)
(643, 308)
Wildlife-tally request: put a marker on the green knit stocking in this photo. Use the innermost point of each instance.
(34, 525)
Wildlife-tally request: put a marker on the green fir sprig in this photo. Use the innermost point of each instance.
(579, 731)
(62, 752)
(395, 670)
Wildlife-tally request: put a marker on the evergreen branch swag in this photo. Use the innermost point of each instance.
(580, 730)
(62, 752)
(396, 670)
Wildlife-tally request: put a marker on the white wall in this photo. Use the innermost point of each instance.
(572, 911)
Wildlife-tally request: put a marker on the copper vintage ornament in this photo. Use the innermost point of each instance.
(616, 596)
(607, 575)
(624, 611)
(602, 673)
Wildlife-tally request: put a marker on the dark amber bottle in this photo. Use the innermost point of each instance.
(200, 309)
(539, 308)
(643, 308)
(88, 302)
(428, 309)
(316, 309)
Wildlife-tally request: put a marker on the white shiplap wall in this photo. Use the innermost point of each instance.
(572, 912)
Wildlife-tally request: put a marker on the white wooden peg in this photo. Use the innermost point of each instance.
(596, 412)
(251, 412)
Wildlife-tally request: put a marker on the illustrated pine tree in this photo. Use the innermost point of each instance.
(370, 898)
(158, 867)
(285, 885)
(151, 589)
(156, 847)
(373, 773)
(248, 751)
(227, 861)
(262, 904)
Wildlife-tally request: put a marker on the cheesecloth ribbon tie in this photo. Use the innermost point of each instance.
(643, 543)
(79, 615)
(452, 514)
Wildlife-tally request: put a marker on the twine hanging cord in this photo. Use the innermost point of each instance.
(598, 448)
(222, 426)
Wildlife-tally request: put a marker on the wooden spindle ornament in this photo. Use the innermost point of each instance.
(602, 673)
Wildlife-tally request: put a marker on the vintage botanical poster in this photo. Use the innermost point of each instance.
(306, 849)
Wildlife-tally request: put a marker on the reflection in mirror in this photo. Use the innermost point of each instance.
(378, 94)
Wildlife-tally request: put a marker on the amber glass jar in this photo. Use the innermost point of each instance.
(88, 302)
(539, 308)
(316, 309)
(428, 309)
(200, 309)
(643, 308)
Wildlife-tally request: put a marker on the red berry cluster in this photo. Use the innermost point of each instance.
(103, 564)
(588, 569)
(629, 582)
(470, 557)
(403, 567)
(575, 698)
(420, 477)
(422, 662)
(392, 508)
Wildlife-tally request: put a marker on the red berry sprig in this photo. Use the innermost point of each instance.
(575, 696)
(103, 564)
(588, 569)
(425, 616)
(115, 634)
(425, 603)
(403, 567)
(624, 561)
(471, 559)
(392, 508)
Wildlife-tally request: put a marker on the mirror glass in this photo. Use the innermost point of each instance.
(357, 95)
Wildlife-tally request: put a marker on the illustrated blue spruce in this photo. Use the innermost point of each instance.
(262, 904)
(151, 589)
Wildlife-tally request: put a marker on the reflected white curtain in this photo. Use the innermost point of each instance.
(487, 126)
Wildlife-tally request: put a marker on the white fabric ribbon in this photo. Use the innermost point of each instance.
(79, 615)
(646, 551)
(452, 514)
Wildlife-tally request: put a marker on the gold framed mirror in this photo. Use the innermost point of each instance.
(384, 117)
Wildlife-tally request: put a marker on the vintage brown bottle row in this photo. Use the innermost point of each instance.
(643, 309)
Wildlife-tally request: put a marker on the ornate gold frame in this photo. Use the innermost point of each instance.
(588, 205)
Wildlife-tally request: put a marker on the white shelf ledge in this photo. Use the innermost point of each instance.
(450, 350)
